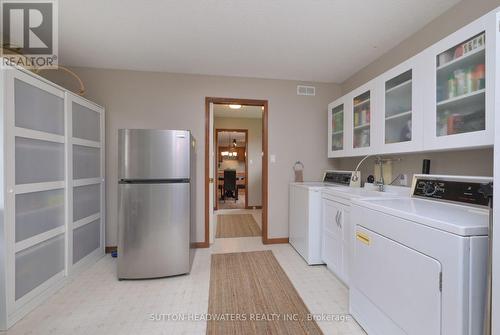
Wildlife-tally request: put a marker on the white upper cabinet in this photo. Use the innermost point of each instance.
(459, 89)
(442, 98)
(362, 119)
(401, 107)
(338, 140)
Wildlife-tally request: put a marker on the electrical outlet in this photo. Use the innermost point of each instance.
(403, 180)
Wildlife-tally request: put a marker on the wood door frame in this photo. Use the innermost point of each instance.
(216, 170)
(245, 102)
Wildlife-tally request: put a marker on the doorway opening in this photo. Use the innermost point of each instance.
(235, 169)
(231, 182)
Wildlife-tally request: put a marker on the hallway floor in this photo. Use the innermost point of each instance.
(97, 303)
(231, 203)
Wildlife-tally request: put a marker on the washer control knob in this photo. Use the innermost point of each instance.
(430, 188)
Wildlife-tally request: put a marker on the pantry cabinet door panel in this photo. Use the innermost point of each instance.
(459, 96)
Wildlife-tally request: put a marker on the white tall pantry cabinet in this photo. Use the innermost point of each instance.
(52, 163)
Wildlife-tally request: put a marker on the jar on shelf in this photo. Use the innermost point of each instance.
(461, 86)
(480, 76)
(452, 91)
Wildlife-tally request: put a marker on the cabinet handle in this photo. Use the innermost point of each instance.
(337, 218)
(340, 219)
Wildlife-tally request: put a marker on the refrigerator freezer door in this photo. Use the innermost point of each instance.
(153, 154)
(153, 230)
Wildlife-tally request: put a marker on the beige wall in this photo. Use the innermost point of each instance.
(297, 125)
(458, 16)
(467, 162)
(254, 154)
(472, 162)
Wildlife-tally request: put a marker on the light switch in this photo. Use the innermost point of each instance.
(273, 158)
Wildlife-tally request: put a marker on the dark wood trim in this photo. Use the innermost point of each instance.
(252, 207)
(265, 167)
(235, 101)
(200, 245)
(216, 163)
(247, 102)
(216, 171)
(110, 249)
(207, 170)
(281, 240)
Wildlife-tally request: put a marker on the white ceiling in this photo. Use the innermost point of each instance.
(251, 112)
(306, 40)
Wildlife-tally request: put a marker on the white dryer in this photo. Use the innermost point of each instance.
(420, 263)
(304, 214)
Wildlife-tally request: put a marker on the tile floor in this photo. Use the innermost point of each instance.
(96, 303)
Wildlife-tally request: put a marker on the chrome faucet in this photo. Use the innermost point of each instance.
(380, 182)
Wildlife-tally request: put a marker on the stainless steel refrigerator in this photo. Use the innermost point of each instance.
(156, 207)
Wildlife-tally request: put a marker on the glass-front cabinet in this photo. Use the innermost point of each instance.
(461, 87)
(361, 120)
(442, 98)
(337, 128)
(398, 108)
(401, 111)
(461, 102)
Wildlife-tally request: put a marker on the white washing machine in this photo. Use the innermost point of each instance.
(304, 214)
(420, 263)
(337, 228)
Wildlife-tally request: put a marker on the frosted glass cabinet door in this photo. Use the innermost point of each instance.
(86, 239)
(38, 161)
(37, 264)
(86, 162)
(86, 123)
(38, 109)
(87, 135)
(461, 87)
(38, 212)
(398, 108)
(361, 120)
(86, 201)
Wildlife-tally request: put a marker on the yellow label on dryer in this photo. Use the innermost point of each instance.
(363, 238)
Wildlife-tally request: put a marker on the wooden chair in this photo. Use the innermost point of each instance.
(229, 188)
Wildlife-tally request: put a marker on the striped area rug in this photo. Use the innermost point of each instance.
(251, 294)
(237, 225)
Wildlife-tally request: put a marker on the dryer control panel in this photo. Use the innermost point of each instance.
(445, 188)
(337, 177)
